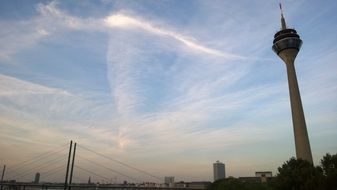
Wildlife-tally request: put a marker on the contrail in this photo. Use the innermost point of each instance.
(124, 21)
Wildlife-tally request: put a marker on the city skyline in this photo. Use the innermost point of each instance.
(169, 86)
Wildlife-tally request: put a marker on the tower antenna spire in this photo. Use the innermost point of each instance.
(283, 21)
(286, 44)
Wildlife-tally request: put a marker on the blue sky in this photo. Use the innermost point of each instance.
(168, 86)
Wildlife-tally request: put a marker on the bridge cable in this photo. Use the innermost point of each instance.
(124, 164)
(42, 165)
(93, 173)
(53, 171)
(109, 169)
(46, 164)
(39, 157)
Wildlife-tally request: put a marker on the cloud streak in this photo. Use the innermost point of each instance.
(52, 21)
(123, 21)
(165, 105)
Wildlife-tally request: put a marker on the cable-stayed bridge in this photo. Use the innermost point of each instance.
(74, 166)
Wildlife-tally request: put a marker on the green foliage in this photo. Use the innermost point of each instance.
(299, 175)
(257, 186)
(232, 183)
(329, 166)
(292, 175)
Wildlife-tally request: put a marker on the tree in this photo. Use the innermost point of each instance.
(329, 166)
(230, 183)
(292, 175)
(299, 175)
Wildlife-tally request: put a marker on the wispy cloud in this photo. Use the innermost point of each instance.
(10, 86)
(17, 36)
(52, 21)
(123, 21)
(37, 114)
(177, 96)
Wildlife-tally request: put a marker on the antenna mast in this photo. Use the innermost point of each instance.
(283, 21)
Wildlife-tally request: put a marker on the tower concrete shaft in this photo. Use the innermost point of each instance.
(286, 45)
(302, 143)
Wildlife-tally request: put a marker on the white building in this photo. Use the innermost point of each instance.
(264, 175)
(219, 170)
(169, 181)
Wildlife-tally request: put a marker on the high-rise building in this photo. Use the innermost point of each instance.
(219, 170)
(286, 45)
(37, 178)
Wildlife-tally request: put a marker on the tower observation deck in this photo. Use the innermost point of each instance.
(286, 45)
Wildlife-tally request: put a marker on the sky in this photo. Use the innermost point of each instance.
(168, 87)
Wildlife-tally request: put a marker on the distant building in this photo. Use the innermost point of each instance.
(250, 179)
(264, 175)
(199, 185)
(260, 177)
(180, 184)
(37, 178)
(169, 181)
(219, 170)
(193, 185)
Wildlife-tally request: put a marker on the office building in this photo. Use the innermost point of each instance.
(37, 178)
(219, 170)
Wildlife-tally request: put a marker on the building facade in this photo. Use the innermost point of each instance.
(264, 175)
(169, 181)
(37, 178)
(219, 170)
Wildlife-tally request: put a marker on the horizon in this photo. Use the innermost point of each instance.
(169, 87)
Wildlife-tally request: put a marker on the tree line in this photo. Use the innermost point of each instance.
(294, 174)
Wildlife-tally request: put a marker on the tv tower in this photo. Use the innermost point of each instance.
(286, 45)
